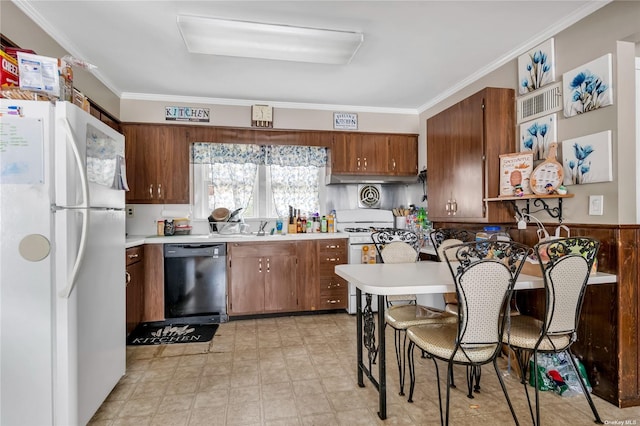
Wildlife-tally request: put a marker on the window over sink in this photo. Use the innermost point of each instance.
(262, 180)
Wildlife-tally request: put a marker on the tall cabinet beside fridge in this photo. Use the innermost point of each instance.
(62, 291)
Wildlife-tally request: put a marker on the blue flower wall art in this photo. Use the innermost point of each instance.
(588, 87)
(587, 159)
(536, 68)
(536, 135)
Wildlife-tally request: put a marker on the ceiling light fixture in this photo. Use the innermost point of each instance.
(215, 36)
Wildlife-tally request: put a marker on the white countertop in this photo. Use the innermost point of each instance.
(136, 240)
(425, 278)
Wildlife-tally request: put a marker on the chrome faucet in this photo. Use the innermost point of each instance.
(263, 223)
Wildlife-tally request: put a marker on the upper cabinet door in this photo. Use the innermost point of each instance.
(344, 154)
(374, 154)
(463, 147)
(403, 155)
(157, 164)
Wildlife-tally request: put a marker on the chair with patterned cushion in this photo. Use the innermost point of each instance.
(484, 274)
(441, 239)
(402, 311)
(566, 265)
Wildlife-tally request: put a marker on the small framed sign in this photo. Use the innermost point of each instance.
(172, 113)
(515, 173)
(345, 121)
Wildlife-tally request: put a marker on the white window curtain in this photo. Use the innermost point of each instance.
(294, 176)
(231, 171)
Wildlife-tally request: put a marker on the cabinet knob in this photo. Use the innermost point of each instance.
(159, 190)
(127, 278)
(133, 256)
(151, 191)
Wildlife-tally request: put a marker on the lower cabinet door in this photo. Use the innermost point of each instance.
(280, 287)
(246, 292)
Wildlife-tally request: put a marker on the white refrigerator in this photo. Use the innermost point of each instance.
(62, 263)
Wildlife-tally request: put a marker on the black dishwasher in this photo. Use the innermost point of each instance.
(195, 282)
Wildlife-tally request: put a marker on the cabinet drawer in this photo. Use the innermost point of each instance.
(134, 255)
(328, 270)
(337, 301)
(332, 259)
(262, 249)
(332, 282)
(332, 246)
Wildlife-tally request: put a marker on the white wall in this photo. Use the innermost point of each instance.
(615, 29)
(25, 33)
(637, 135)
(152, 111)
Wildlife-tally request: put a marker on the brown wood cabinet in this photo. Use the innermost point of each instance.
(135, 287)
(403, 155)
(359, 153)
(262, 278)
(308, 279)
(374, 154)
(334, 291)
(463, 147)
(153, 282)
(157, 164)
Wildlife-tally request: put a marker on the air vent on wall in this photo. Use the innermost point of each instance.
(543, 101)
(369, 196)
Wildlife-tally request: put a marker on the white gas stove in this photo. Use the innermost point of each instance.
(359, 224)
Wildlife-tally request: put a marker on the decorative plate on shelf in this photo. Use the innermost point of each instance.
(548, 175)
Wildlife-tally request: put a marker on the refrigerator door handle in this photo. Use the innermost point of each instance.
(84, 186)
(85, 214)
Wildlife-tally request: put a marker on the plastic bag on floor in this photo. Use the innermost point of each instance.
(556, 373)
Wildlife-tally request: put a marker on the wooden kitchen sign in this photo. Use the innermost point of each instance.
(515, 172)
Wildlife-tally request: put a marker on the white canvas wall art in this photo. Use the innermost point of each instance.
(587, 159)
(588, 87)
(536, 68)
(536, 135)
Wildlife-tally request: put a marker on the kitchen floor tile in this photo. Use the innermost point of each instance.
(301, 370)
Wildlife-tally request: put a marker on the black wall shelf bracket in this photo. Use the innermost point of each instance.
(539, 201)
(554, 212)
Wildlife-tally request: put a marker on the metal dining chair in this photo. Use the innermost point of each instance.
(484, 274)
(402, 311)
(565, 277)
(442, 239)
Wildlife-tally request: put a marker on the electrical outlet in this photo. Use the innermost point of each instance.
(130, 211)
(596, 205)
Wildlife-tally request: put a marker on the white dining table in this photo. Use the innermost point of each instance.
(424, 277)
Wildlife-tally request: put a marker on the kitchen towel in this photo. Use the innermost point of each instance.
(167, 333)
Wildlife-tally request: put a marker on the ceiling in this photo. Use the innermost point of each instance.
(415, 53)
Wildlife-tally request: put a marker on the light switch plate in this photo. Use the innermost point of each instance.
(596, 205)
